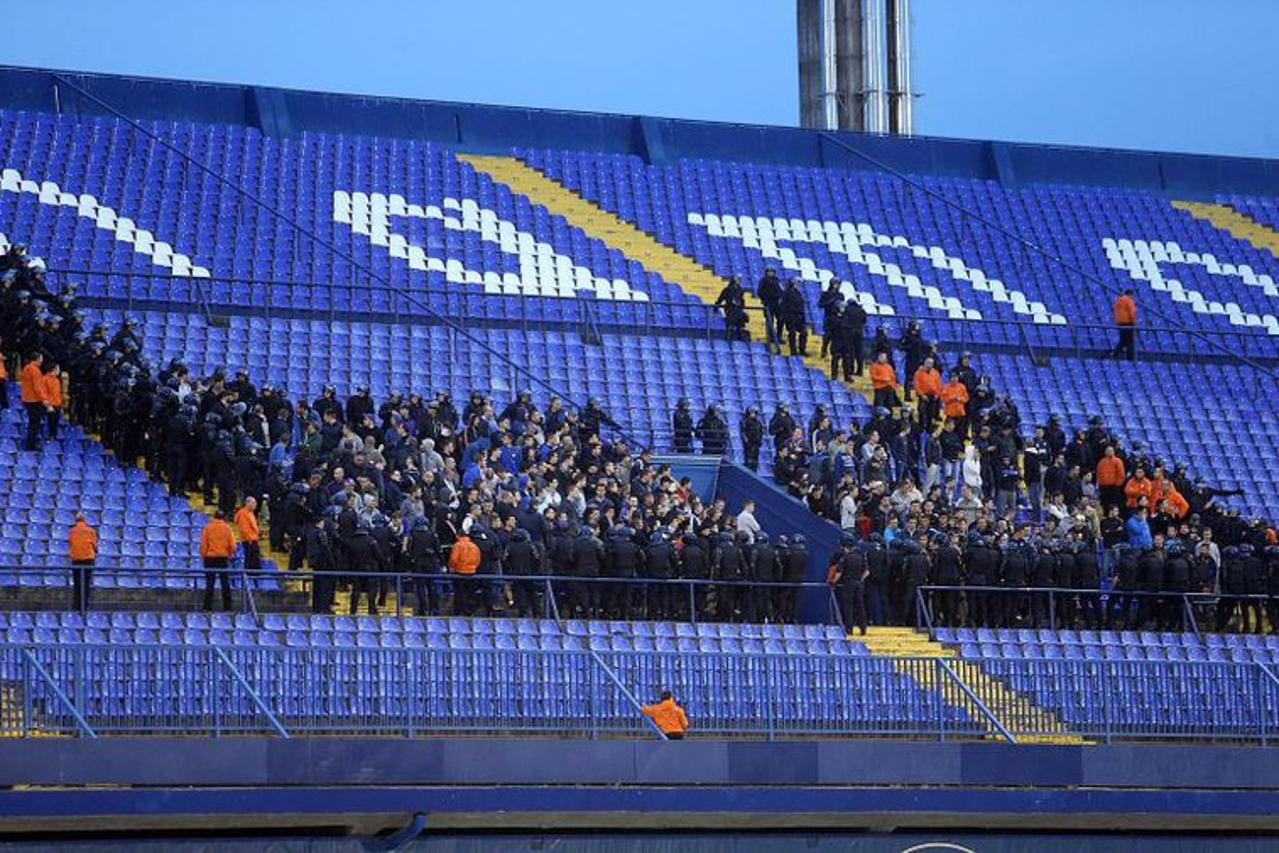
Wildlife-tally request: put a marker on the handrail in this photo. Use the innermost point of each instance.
(630, 697)
(253, 694)
(427, 289)
(393, 662)
(304, 574)
(1028, 244)
(298, 228)
(57, 691)
(944, 664)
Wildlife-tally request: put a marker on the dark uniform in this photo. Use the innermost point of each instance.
(662, 563)
(794, 318)
(425, 562)
(682, 427)
(624, 560)
(947, 571)
(524, 559)
(712, 431)
(751, 430)
(849, 573)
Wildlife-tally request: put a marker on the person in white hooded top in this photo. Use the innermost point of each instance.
(970, 470)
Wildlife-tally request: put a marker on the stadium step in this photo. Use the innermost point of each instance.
(693, 277)
(280, 558)
(1014, 711)
(1239, 225)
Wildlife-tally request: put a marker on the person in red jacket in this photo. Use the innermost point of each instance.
(33, 399)
(1126, 323)
(82, 546)
(217, 545)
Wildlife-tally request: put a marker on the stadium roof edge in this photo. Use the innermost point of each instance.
(488, 128)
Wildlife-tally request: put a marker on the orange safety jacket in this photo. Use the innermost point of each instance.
(464, 558)
(1125, 311)
(1110, 471)
(247, 523)
(927, 382)
(52, 389)
(954, 399)
(217, 540)
(882, 376)
(83, 542)
(670, 717)
(32, 383)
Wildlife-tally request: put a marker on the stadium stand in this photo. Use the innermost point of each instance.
(404, 267)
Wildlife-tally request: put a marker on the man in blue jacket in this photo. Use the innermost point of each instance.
(1138, 529)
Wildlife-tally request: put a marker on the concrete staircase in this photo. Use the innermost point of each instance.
(1015, 712)
(693, 277)
(1239, 225)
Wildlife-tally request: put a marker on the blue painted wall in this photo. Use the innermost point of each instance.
(777, 512)
(822, 783)
(485, 128)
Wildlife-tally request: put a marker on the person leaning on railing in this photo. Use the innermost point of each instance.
(668, 716)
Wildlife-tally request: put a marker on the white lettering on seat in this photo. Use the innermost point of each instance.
(544, 271)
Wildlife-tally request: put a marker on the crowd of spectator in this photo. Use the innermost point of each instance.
(957, 490)
(467, 500)
(949, 491)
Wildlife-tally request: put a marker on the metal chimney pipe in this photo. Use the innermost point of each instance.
(830, 74)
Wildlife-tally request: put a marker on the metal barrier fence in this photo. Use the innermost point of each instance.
(91, 691)
(265, 297)
(1054, 608)
(550, 596)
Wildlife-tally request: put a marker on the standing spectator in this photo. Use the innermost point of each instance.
(970, 470)
(246, 522)
(464, 561)
(33, 399)
(954, 399)
(668, 716)
(1110, 479)
(52, 383)
(927, 383)
(883, 379)
(769, 291)
(747, 524)
(217, 545)
(1033, 459)
(83, 547)
(1126, 323)
(1138, 529)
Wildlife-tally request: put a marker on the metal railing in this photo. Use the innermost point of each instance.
(254, 296)
(551, 596)
(1055, 608)
(91, 691)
